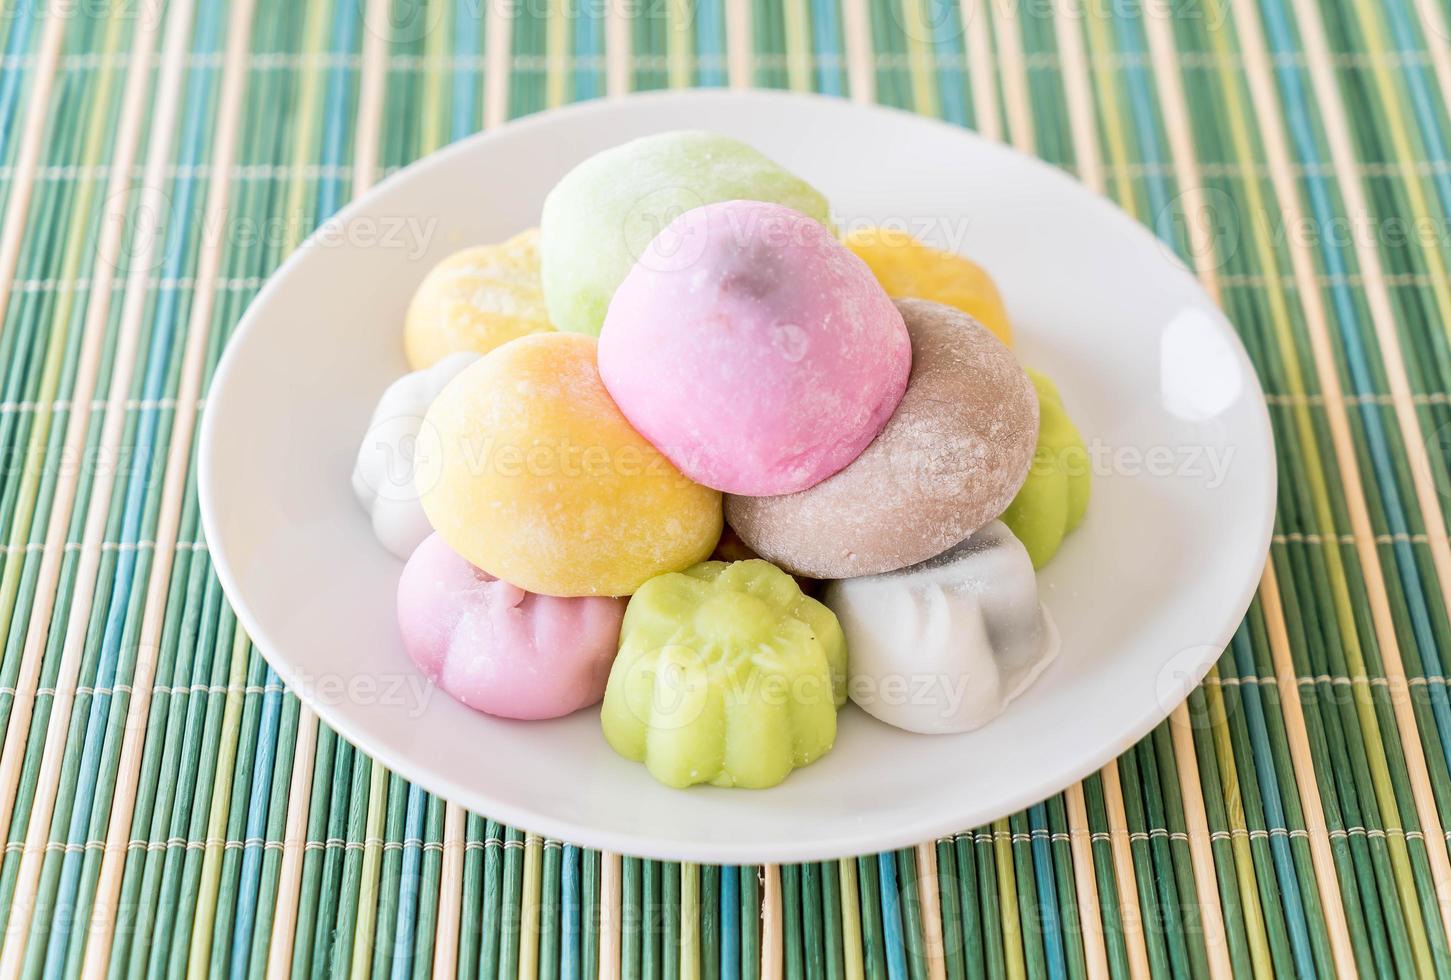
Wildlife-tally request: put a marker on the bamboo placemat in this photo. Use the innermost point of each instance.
(168, 807)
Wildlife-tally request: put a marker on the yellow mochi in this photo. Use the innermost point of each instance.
(908, 269)
(475, 300)
(528, 470)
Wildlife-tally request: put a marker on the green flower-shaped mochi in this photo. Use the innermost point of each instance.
(727, 674)
(1055, 496)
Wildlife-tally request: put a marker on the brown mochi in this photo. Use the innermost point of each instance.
(950, 459)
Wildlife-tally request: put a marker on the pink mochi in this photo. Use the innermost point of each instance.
(499, 649)
(753, 349)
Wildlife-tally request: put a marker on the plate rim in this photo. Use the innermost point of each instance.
(908, 832)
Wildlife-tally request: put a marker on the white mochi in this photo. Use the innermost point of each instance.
(383, 474)
(944, 645)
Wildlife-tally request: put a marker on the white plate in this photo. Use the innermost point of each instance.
(1146, 593)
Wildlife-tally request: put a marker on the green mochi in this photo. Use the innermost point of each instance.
(727, 674)
(1055, 496)
(598, 220)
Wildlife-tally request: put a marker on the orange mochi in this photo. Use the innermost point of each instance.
(908, 269)
(528, 470)
(475, 300)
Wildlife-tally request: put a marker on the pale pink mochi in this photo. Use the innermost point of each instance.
(499, 649)
(753, 349)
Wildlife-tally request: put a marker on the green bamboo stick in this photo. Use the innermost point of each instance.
(372, 862)
(690, 921)
(909, 906)
(852, 944)
(670, 905)
(1218, 823)
(470, 932)
(492, 913)
(1115, 941)
(529, 899)
(812, 912)
(550, 919)
(221, 801)
(1023, 912)
(509, 919)
(329, 870)
(874, 955)
(190, 867)
(347, 894)
(390, 877)
(649, 918)
(1167, 811)
(1006, 894)
(426, 925)
(632, 899)
(1070, 915)
(1168, 872)
(832, 915)
(248, 737)
(750, 898)
(791, 925)
(165, 729)
(303, 946)
(589, 919)
(1289, 796)
(974, 952)
(710, 911)
(948, 899)
(158, 915)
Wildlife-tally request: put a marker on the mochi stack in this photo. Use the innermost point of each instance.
(696, 347)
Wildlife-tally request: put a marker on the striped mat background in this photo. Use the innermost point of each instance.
(167, 808)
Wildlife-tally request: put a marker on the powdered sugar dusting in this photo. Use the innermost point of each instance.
(951, 458)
